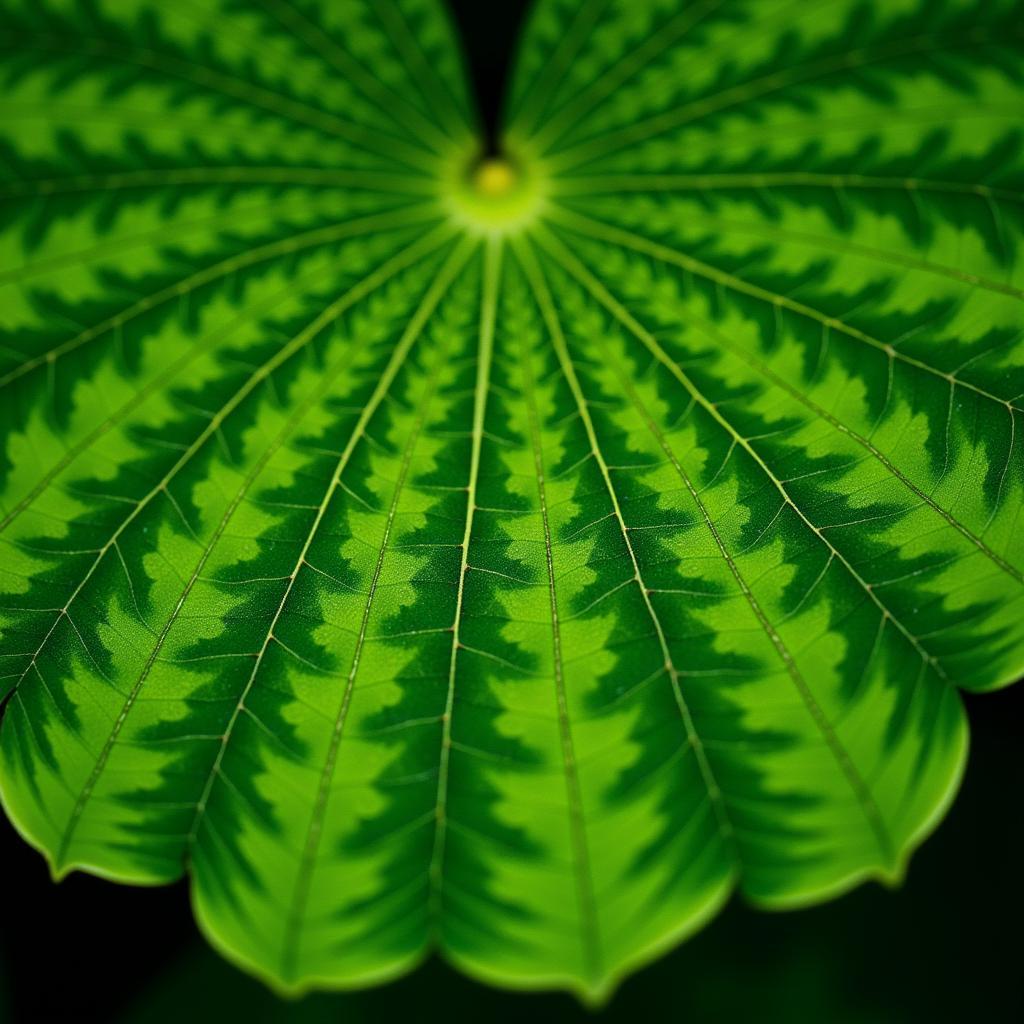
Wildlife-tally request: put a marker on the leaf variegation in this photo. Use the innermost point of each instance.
(510, 560)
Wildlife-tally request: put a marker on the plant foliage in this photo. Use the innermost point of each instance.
(510, 560)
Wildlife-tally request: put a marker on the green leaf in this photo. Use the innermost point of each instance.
(513, 559)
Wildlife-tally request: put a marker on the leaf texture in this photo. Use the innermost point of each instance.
(417, 573)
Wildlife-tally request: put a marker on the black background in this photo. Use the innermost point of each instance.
(944, 947)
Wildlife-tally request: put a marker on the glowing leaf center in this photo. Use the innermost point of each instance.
(497, 195)
(495, 178)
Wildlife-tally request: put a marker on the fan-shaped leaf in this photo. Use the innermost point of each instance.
(511, 559)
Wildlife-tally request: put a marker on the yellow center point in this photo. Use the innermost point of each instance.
(495, 177)
(496, 195)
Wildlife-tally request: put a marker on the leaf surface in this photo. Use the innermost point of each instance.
(511, 560)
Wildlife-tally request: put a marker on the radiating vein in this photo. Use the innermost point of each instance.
(314, 832)
(574, 267)
(775, 81)
(528, 261)
(625, 68)
(607, 233)
(249, 257)
(546, 84)
(761, 367)
(837, 749)
(215, 176)
(433, 89)
(408, 256)
(485, 352)
(302, 409)
(801, 396)
(247, 93)
(456, 260)
(722, 227)
(152, 387)
(384, 99)
(152, 238)
(697, 181)
(590, 928)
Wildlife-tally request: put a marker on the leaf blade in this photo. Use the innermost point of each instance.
(414, 574)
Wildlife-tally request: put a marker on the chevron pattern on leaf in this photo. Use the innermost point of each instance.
(512, 565)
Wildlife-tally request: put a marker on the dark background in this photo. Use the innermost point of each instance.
(945, 947)
(489, 30)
